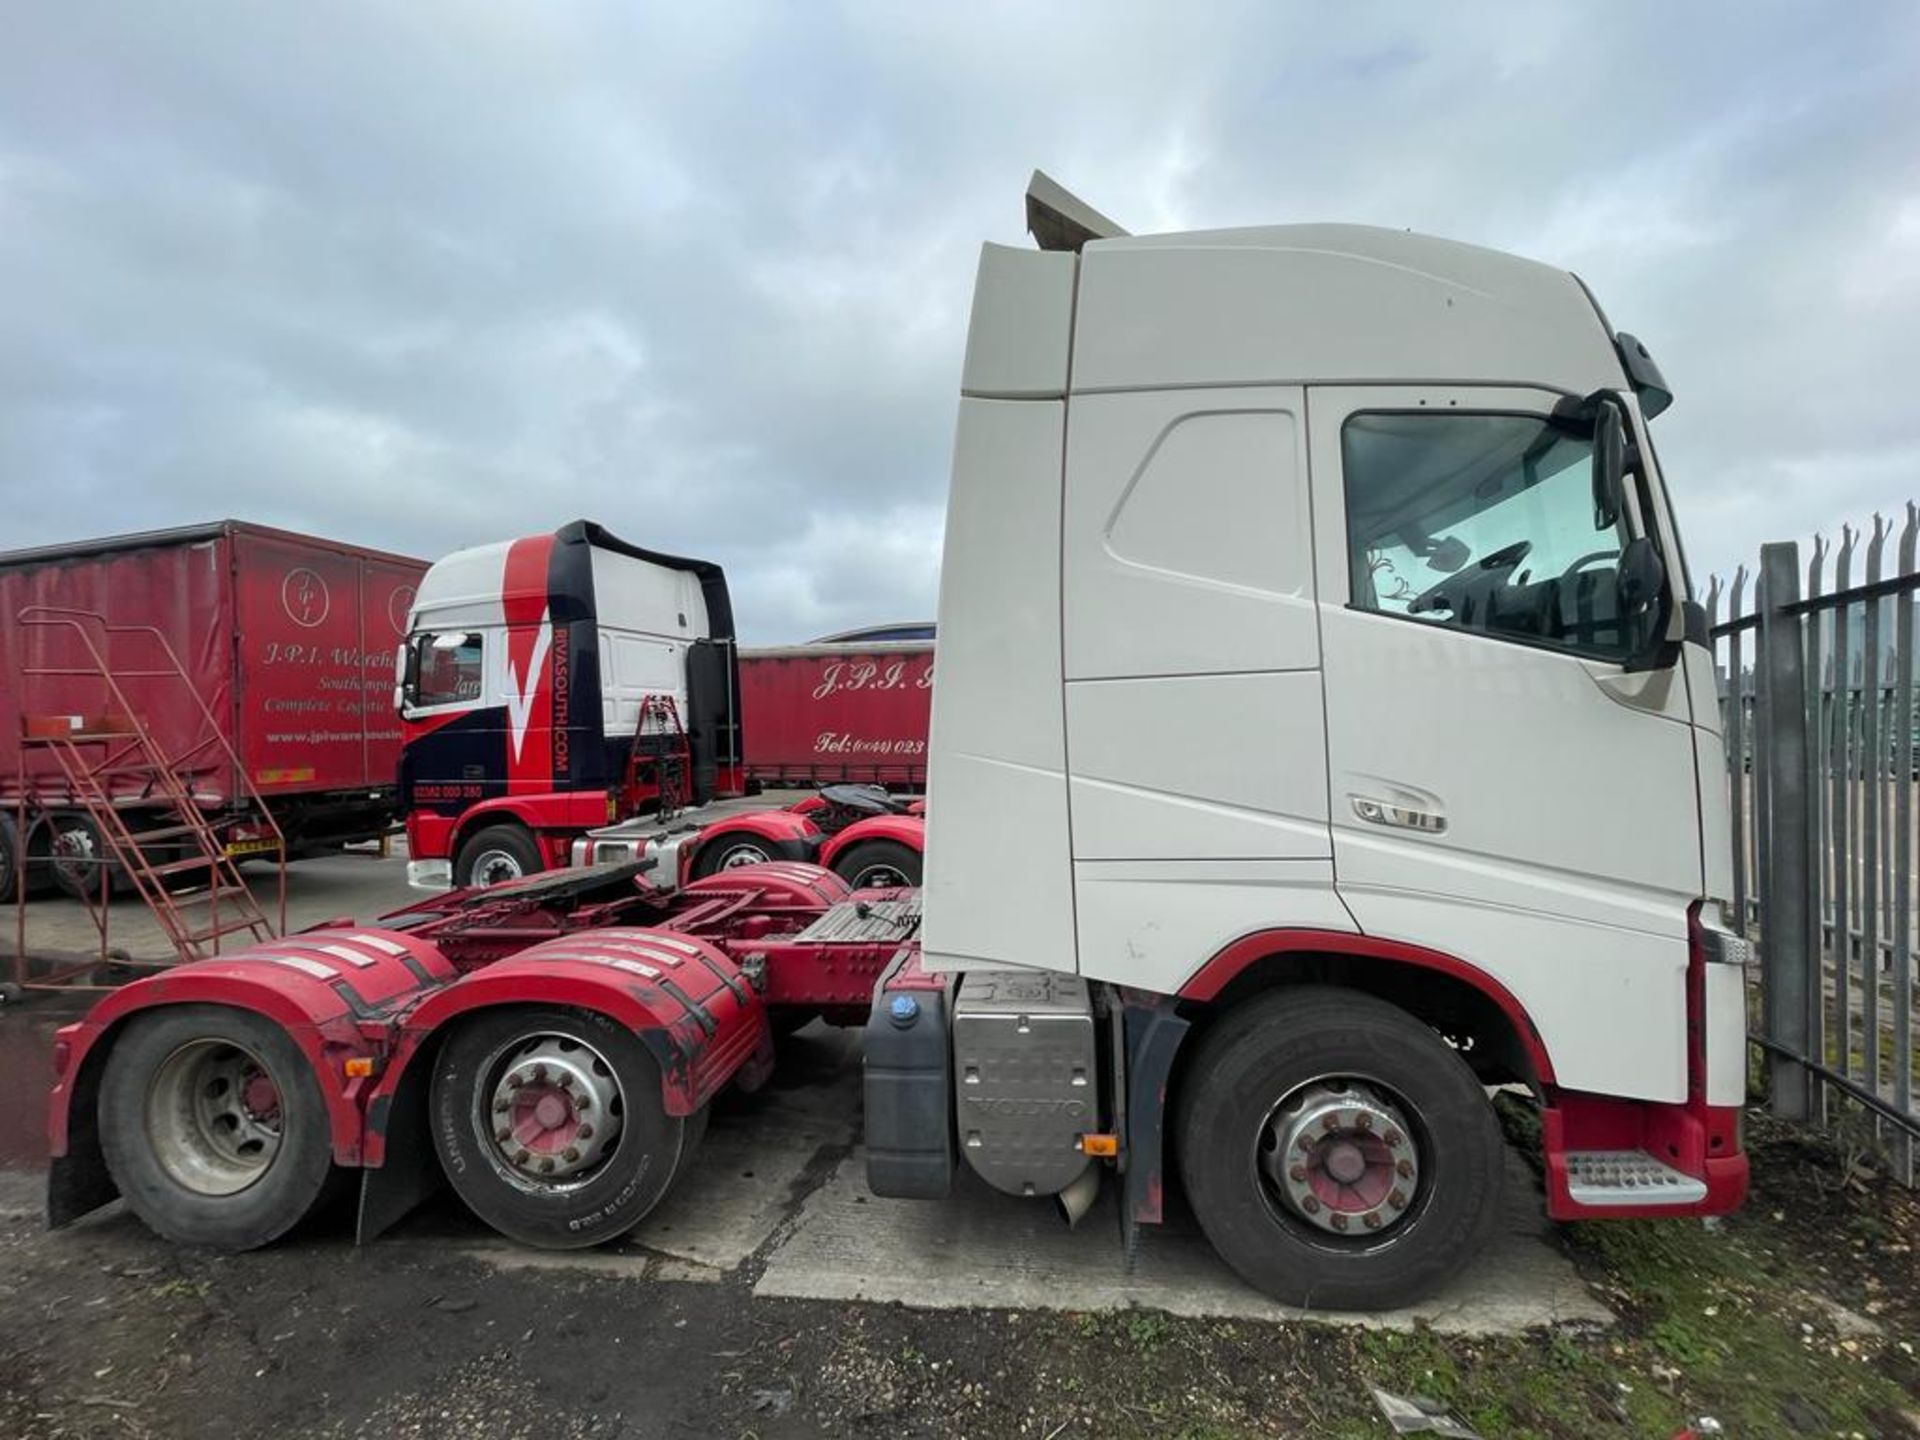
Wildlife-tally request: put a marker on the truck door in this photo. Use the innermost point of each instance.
(1194, 716)
(1508, 783)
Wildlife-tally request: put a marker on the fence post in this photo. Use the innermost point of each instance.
(1786, 963)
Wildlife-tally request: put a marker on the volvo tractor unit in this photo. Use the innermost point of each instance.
(1377, 515)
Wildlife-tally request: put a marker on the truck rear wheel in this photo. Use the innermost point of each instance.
(494, 856)
(549, 1124)
(730, 852)
(1336, 1151)
(214, 1127)
(878, 865)
(13, 860)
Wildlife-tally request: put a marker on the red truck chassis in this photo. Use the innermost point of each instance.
(693, 973)
(497, 1039)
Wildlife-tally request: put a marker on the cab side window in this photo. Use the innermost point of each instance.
(1485, 523)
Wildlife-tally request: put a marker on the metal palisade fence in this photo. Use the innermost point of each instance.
(1816, 673)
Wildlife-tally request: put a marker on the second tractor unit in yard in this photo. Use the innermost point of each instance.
(1324, 735)
(570, 687)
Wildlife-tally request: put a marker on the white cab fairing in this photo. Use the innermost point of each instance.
(1003, 895)
(647, 615)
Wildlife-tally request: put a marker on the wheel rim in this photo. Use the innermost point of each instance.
(551, 1109)
(737, 855)
(214, 1118)
(76, 853)
(881, 876)
(1340, 1156)
(496, 867)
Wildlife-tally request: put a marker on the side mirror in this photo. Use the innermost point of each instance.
(1642, 576)
(406, 664)
(1645, 605)
(1609, 464)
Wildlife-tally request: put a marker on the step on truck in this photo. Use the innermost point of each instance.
(572, 687)
(1379, 514)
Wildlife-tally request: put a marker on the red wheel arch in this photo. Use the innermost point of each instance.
(1235, 959)
(908, 830)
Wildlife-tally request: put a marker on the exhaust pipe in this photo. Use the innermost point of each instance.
(1078, 1197)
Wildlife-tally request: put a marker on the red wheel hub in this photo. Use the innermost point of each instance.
(1351, 1173)
(544, 1119)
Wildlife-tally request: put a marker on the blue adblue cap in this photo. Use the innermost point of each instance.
(904, 1009)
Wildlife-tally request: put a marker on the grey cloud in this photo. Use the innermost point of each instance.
(429, 276)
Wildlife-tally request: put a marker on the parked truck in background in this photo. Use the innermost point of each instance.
(287, 638)
(555, 686)
(1377, 515)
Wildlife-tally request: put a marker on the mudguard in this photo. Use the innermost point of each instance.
(908, 830)
(789, 883)
(685, 998)
(331, 990)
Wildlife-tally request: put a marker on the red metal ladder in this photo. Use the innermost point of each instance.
(113, 766)
(665, 749)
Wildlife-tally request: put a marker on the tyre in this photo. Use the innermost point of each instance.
(878, 865)
(214, 1127)
(730, 852)
(77, 853)
(494, 856)
(548, 1123)
(1336, 1151)
(12, 861)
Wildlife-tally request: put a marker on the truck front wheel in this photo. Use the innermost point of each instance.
(1336, 1151)
(549, 1124)
(494, 856)
(214, 1127)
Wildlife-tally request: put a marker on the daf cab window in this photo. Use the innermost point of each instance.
(444, 668)
(1488, 523)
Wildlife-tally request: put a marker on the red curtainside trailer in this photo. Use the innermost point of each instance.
(830, 713)
(288, 639)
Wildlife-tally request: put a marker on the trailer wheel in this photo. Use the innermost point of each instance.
(494, 856)
(1336, 1151)
(76, 854)
(214, 1127)
(878, 865)
(549, 1124)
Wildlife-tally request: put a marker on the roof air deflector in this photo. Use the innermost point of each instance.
(1060, 220)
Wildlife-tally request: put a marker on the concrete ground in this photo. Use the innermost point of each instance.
(778, 1196)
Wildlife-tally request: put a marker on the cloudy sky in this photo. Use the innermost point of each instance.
(427, 275)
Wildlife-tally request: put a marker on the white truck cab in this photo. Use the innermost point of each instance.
(1312, 611)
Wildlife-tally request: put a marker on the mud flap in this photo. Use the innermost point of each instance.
(412, 1171)
(1153, 1036)
(77, 1185)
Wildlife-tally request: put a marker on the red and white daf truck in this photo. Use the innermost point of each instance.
(1379, 514)
(571, 692)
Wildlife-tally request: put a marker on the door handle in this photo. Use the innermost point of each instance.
(1398, 817)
